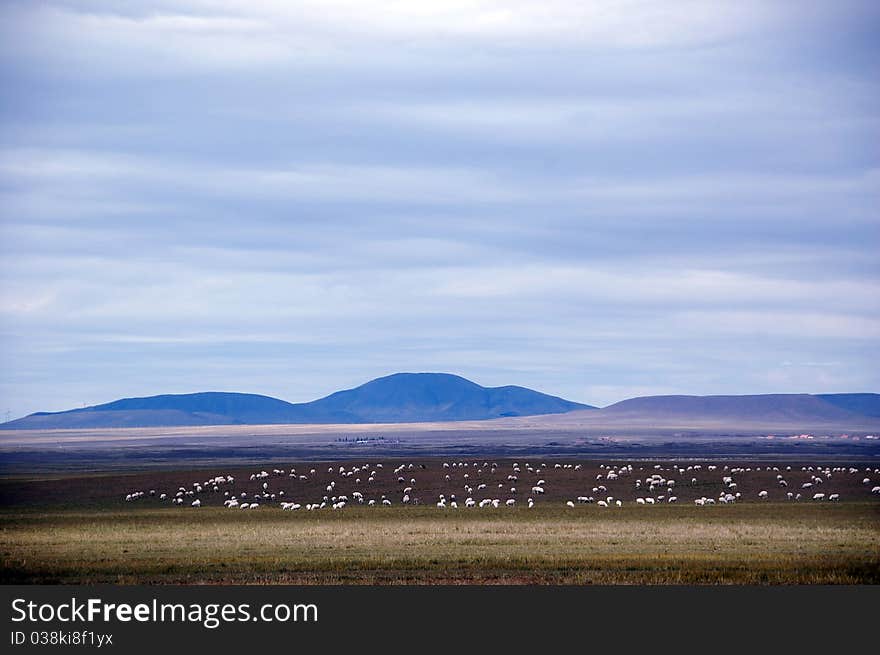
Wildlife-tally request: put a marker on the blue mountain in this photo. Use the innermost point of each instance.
(398, 398)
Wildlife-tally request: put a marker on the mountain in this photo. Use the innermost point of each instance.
(434, 397)
(398, 398)
(418, 397)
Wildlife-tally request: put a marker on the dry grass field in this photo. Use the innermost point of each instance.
(745, 544)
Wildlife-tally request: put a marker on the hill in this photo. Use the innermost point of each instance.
(402, 397)
(782, 411)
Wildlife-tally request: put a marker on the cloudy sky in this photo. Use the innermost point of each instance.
(594, 198)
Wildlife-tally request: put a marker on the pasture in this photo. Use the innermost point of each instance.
(82, 530)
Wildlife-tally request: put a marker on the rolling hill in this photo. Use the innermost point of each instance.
(441, 397)
(398, 398)
(783, 411)
(775, 407)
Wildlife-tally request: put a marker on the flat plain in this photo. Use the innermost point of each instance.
(80, 529)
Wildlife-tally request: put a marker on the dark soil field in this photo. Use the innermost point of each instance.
(563, 482)
(81, 529)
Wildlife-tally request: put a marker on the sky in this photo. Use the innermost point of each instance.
(594, 199)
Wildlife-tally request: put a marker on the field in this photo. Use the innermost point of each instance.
(65, 529)
(746, 544)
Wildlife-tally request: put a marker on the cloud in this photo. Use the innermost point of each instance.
(175, 37)
(597, 199)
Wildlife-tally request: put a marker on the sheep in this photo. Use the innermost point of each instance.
(196, 503)
(569, 504)
(762, 494)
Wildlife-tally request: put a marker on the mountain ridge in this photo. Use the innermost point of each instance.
(444, 397)
(396, 398)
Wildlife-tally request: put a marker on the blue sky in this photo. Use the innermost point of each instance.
(595, 199)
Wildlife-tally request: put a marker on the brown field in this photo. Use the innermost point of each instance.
(81, 530)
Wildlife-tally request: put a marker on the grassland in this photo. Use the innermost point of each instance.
(770, 543)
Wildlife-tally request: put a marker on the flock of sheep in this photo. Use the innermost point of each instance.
(487, 485)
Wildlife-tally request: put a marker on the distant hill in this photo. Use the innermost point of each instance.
(436, 397)
(768, 408)
(866, 404)
(402, 397)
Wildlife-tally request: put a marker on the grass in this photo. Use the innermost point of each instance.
(765, 543)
